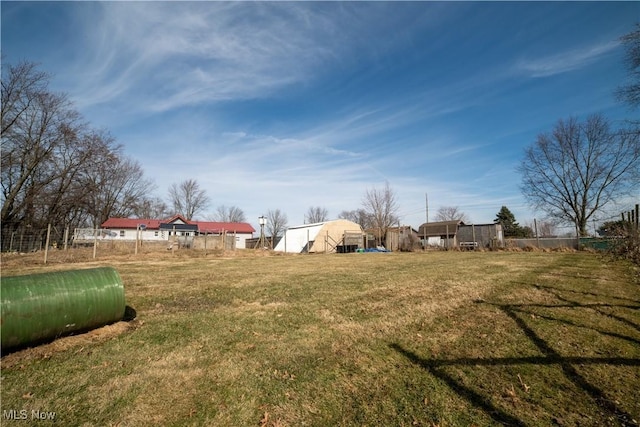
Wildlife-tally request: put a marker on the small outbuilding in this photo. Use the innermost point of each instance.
(340, 235)
(440, 234)
(480, 236)
(457, 234)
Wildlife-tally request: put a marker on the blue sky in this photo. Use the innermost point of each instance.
(289, 105)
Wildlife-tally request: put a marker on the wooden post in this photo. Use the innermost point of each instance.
(473, 232)
(135, 251)
(535, 226)
(205, 242)
(637, 218)
(95, 242)
(326, 243)
(66, 237)
(308, 241)
(173, 244)
(46, 247)
(447, 241)
(13, 233)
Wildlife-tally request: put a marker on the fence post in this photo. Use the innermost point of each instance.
(95, 242)
(535, 225)
(447, 241)
(135, 250)
(66, 237)
(473, 232)
(46, 247)
(173, 245)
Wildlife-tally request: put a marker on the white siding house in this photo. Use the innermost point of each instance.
(130, 229)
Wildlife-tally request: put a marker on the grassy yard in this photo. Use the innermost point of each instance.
(436, 339)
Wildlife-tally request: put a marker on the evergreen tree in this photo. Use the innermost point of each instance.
(508, 221)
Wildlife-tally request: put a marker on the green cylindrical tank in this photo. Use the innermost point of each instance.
(44, 306)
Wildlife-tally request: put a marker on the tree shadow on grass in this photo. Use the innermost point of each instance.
(548, 356)
(476, 399)
(595, 306)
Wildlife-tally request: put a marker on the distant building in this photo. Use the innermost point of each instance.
(340, 235)
(176, 227)
(457, 234)
(402, 238)
(480, 236)
(440, 234)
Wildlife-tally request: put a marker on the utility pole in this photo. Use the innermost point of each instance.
(426, 199)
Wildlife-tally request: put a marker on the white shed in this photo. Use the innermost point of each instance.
(340, 235)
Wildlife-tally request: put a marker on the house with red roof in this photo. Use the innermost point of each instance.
(174, 227)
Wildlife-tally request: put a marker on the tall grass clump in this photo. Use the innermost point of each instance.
(627, 245)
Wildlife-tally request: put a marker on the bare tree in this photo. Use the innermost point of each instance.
(55, 168)
(116, 186)
(33, 124)
(64, 199)
(451, 213)
(359, 216)
(187, 198)
(229, 214)
(151, 208)
(22, 85)
(382, 207)
(579, 168)
(316, 214)
(276, 223)
(630, 92)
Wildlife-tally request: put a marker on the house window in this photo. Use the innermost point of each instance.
(121, 233)
(155, 233)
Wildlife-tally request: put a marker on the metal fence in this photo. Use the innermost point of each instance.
(28, 239)
(543, 243)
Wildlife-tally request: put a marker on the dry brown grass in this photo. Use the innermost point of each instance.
(249, 338)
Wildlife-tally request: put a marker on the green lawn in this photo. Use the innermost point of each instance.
(435, 339)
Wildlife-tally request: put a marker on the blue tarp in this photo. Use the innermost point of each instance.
(378, 249)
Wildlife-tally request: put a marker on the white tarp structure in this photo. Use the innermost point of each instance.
(320, 237)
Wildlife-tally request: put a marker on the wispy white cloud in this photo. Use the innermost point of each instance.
(171, 55)
(168, 55)
(563, 62)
